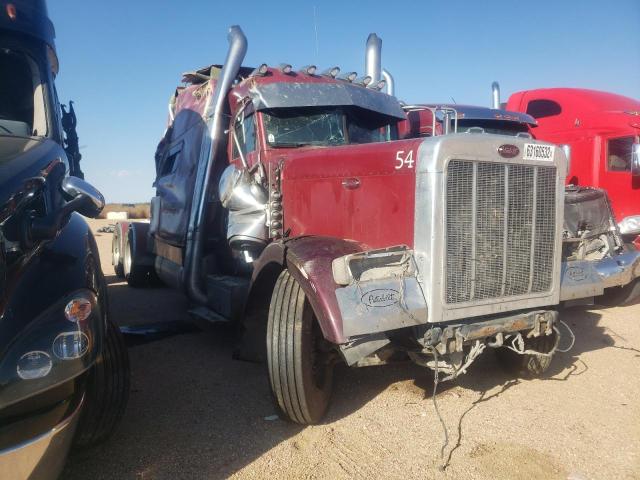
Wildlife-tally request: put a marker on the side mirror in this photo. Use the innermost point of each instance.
(635, 160)
(75, 188)
(81, 197)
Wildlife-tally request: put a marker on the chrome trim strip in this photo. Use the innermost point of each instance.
(534, 207)
(505, 239)
(474, 223)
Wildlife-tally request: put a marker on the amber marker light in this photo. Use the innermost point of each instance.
(11, 11)
(77, 310)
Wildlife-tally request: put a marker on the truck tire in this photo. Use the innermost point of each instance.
(528, 365)
(136, 275)
(106, 391)
(298, 356)
(116, 257)
(620, 296)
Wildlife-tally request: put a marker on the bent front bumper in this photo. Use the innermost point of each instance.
(41, 457)
(584, 279)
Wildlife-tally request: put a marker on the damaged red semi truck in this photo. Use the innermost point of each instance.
(603, 130)
(286, 203)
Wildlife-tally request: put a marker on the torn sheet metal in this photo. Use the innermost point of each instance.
(379, 297)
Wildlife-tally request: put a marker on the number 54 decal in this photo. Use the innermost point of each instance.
(402, 159)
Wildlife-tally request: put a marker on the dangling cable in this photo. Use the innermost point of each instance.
(435, 406)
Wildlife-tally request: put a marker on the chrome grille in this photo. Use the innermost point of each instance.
(500, 230)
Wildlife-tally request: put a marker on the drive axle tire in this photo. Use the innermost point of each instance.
(528, 365)
(116, 257)
(136, 275)
(106, 391)
(298, 356)
(621, 296)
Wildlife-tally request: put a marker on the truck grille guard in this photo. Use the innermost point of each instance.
(500, 230)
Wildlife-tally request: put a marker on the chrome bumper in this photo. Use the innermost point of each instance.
(583, 279)
(42, 457)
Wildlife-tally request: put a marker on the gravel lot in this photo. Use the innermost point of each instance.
(196, 413)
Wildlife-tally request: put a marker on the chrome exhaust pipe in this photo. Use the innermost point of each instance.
(495, 93)
(373, 58)
(389, 82)
(567, 152)
(211, 144)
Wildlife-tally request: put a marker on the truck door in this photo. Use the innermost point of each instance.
(615, 174)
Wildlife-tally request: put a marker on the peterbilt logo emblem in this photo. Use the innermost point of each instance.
(380, 297)
(508, 151)
(577, 274)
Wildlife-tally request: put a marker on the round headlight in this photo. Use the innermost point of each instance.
(32, 365)
(70, 345)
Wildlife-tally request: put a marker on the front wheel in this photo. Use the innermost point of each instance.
(106, 392)
(116, 257)
(298, 356)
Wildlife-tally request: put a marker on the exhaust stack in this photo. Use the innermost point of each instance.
(210, 149)
(373, 60)
(390, 85)
(567, 152)
(495, 94)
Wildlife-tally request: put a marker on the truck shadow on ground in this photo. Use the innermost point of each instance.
(194, 412)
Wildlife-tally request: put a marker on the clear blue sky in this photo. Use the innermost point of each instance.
(121, 60)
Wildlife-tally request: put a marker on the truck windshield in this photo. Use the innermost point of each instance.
(22, 105)
(295, 127)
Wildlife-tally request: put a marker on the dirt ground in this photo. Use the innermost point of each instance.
(194, 412)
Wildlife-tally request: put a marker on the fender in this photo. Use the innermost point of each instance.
(309, 259)
(59, 267)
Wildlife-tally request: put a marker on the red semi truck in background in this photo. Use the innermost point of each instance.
(603, 129)
(285, 202)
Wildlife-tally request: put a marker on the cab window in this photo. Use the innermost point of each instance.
(543, 108)
(245, 132)
(22, 103)
(619, 151)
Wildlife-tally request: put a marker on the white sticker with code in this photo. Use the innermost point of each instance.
(534, 151)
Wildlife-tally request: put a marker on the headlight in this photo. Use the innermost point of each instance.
(630, 225)
(70, 345)
(51, 349)
(34, 365)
